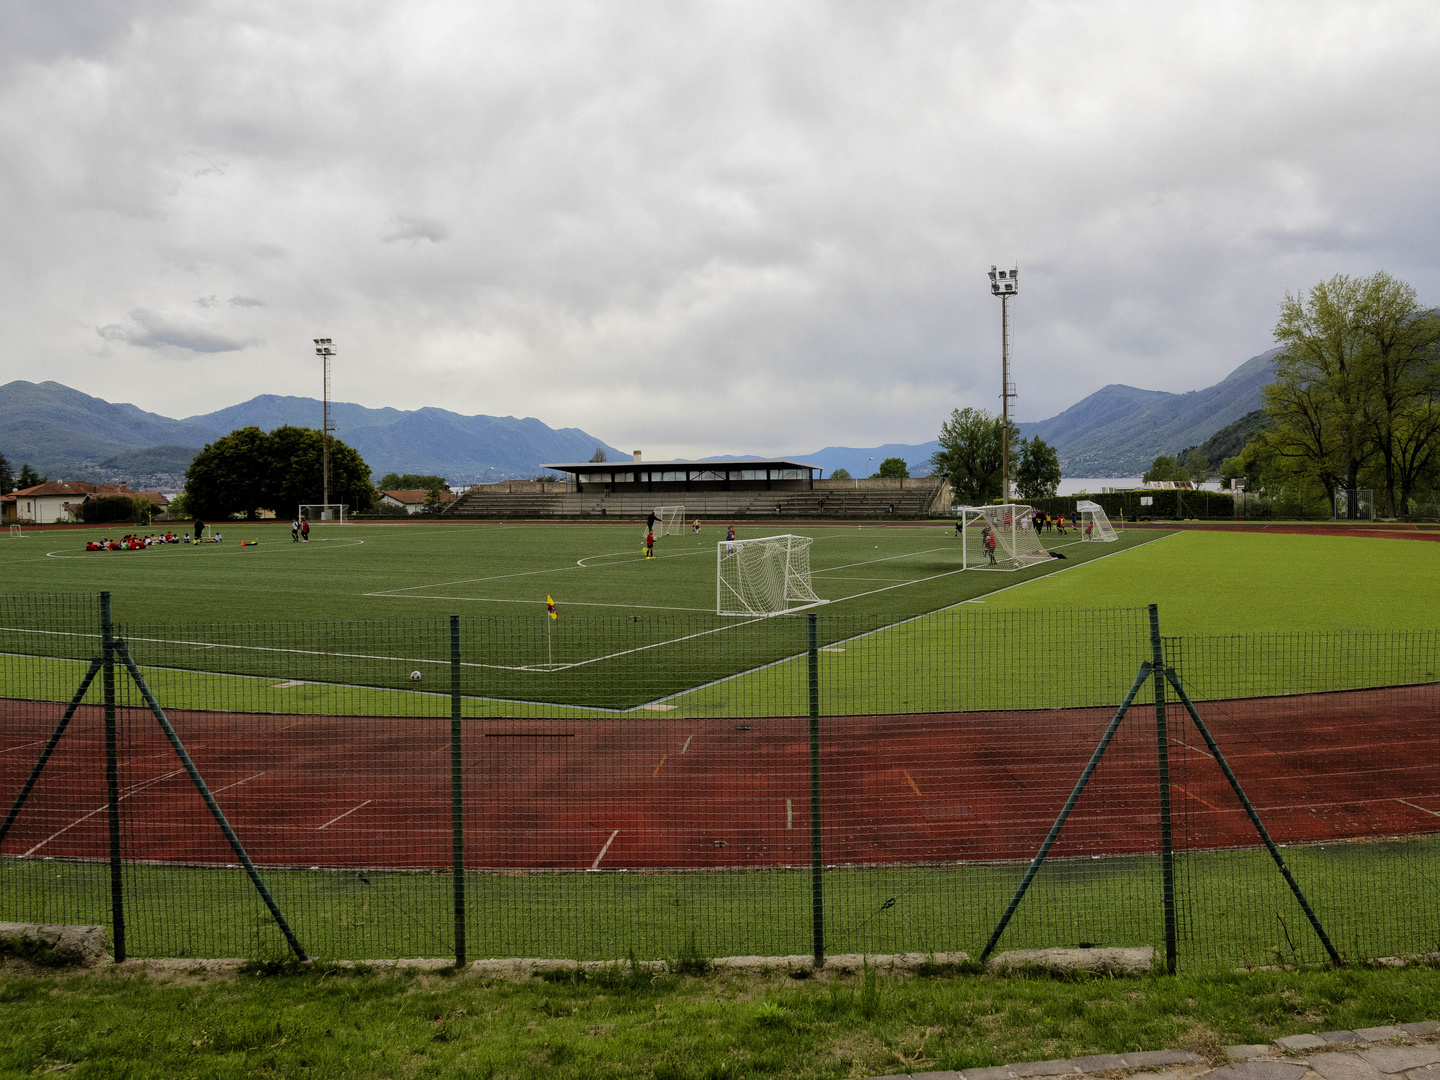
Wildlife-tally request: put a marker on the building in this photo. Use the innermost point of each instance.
(413, 502)
(59, 501)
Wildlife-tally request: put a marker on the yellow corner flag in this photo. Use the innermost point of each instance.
(550, 607)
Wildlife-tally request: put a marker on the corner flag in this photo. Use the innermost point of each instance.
(550, 607)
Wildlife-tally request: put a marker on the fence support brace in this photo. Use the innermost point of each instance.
(1140, 677)
(112, 780)
(238, 848)
(1254, 818)
(1162, 760)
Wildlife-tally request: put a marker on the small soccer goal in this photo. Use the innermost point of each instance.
(1094, 525)
(763, 576)
(16, 533)
(1001, 537)
(330, 513)
(671, 519)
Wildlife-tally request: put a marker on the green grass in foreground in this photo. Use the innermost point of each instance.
(1375, 899)
(363, 1024)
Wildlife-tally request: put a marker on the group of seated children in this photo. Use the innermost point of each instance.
(136, 542)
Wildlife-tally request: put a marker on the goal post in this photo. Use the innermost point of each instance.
(1094, 525)
(16, 533)
(1000, 537)
(763, 576)
(330, 513)
(671, 519)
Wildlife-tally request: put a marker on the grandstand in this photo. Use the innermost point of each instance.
(739, 489)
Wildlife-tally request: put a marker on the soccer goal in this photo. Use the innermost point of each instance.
(15, 532)
(1001, 537)
(332, 513)
(1094, 525)
(671, 519)
(764, 576)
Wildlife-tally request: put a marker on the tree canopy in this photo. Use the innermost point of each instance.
(840, 474)
(28, 478)
(969, 454)
(412, 482)
(248, 470)
(1356, 396)
(1037, 472)
(894, 468)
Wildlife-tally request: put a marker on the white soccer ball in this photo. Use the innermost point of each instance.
(414, 676)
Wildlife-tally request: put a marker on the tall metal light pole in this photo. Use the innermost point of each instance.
(1005, 284)
(325, 349)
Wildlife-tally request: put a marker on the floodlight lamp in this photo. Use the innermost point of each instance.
(1004, 282)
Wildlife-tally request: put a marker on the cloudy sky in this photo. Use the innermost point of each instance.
(691, 227)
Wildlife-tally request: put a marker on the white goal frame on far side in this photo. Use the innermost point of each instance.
(671, 519)
(1093, 523)
(763, 576)
(329, 513)
(1017, 542)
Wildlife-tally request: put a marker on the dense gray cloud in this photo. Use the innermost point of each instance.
(695, 227)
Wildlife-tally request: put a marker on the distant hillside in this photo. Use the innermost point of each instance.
(1231, 439)
(1116, 431)
(1119, 430)
(66, 434)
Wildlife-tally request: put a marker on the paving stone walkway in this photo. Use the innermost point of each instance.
(1404, 1052)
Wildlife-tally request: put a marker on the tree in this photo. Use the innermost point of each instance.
(894, 468)
(7, 478)
(969, 454)
(109, 508)
(1163, 467)
(1037, 472)
(412, 482)
(840, 474)
(248, 469)
(599, 454)
(28, 478)
(1194, 465)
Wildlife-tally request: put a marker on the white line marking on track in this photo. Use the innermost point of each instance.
(1197, 749)
(596, 864)
(789, 814)
(237, 783)
(23, 745)
(131, 790)
(687, 744)
(1420, 808)
(346, 814)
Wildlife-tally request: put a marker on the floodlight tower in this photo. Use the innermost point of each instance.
(1005, 284)
(325, 349)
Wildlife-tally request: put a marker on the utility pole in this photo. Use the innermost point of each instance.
(1005, 284)
(325, 349)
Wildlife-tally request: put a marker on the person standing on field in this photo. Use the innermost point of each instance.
(305, 530)
(649, 544)
(650, 522)
(295, 530)
(199, 529)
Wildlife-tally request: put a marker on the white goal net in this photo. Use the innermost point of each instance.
(670, 519)
(763, 576)
(1001, 537)
(334, 513)
(1094, 525)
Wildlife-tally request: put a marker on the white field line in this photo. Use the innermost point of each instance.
(596, 864)
(687, 743)
(131, 790)
(184, 551)
(540, 603)
(237, 783)
(1420, 808)
(346, 814)
(890, 626)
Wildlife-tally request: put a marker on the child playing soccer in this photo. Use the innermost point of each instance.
(649, 545)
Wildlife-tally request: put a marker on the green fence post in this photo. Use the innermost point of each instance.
(457, 794)
(817, 895)
(112, 779)
(1162, 750)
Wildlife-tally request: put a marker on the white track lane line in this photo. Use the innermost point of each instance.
(1420, 808)
(346, 814)
(23, 745)
(596, 864)
(687, 744)
(237, 783)
(101, 809)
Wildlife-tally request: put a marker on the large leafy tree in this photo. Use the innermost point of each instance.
(969, 454)
(894, 468)
(248, 470)
(1357, 387)
(1037, 473)
(413, 482)
(28, 478)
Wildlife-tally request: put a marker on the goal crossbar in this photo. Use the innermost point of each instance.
(1094, 524)
(331, 513)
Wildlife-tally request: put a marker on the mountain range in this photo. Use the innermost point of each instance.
(66, 434)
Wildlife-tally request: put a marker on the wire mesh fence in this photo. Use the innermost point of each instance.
(800, 785)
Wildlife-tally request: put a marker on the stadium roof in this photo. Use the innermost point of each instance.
(700, 465)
